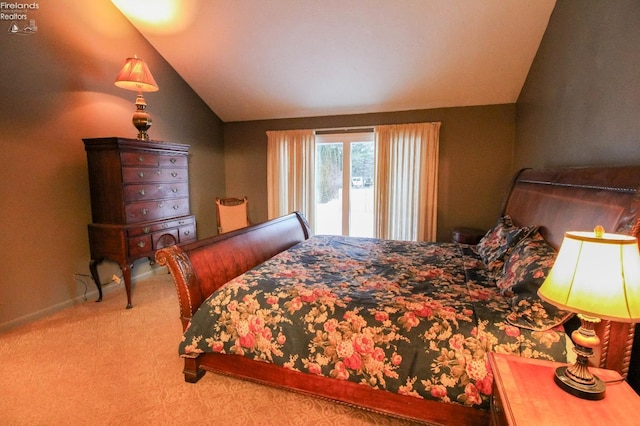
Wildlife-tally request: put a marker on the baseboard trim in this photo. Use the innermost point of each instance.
(90, 296)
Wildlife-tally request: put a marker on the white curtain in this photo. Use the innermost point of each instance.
(290, 172)
(406, 197)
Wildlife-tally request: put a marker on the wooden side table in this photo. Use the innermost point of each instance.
(524, 393)
(466, 235)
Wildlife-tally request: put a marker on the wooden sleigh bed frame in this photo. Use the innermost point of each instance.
(556, 199)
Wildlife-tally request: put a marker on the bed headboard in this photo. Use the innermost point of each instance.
(578, 199)
(575, 199)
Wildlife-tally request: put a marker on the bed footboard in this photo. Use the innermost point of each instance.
(199, 268)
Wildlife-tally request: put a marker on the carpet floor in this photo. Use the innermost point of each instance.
(102, 364)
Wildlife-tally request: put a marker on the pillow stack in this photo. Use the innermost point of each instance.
(520, 259)
(497, 243)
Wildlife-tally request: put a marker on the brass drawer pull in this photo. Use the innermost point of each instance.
(145, 211)
(173, 160)
(187, 232)
(176, 207)
(158, 172)
(146, 229)
(141, 244)
(160, 205)
(174, 174)
(141, 192)
(174, 190)
(141, 159)
(141, 174)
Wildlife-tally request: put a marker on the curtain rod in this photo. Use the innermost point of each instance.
(365, 129)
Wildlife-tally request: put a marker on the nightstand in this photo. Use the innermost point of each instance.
(464, 235)
(524, 393)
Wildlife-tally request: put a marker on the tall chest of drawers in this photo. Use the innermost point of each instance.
(139, 201)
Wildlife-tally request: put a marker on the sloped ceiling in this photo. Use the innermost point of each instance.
(266, 59)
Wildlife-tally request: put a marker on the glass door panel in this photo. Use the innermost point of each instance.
(361, 194)
(344, 184)
(329, 187)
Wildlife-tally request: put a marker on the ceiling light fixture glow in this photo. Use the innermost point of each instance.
(153, 12)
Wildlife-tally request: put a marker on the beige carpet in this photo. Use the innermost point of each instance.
(101, 364)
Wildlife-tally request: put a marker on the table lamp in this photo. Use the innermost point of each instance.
(135, 75)
(597, 275)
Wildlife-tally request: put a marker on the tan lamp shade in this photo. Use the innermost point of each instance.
(596, 274)
(135, 75)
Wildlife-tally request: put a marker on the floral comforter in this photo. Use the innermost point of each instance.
(414, 318)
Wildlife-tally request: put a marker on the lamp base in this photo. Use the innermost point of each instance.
(141, 118)
(592, 392)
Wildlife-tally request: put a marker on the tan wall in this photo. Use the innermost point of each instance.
(56, 87)
(476, 148)
(580, 104)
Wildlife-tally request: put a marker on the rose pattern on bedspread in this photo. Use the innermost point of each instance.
(377, 312)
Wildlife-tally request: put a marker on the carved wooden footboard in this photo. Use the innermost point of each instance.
(199, 268)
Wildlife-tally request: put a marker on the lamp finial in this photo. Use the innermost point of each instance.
(599, 231)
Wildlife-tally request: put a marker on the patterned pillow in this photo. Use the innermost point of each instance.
(527, 264)
(496, 243)
(524, 272)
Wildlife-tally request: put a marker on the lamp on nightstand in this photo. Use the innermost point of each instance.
(135, 75)
(596, 275)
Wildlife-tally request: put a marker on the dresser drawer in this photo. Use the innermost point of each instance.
(173, 161)
(130, 158)
(153, 227)
(187, 233)
(155, 191)
(152, 210)
(140, 245)
(150, 174)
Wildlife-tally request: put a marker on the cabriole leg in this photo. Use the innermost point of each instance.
(93, 268)
(126, 275)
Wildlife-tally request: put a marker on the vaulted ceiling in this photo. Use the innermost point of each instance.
(265, 59)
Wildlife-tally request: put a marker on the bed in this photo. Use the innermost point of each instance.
(402, 328)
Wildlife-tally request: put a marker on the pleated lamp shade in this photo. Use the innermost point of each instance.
(135, 75)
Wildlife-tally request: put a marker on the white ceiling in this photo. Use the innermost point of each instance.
(265, 59)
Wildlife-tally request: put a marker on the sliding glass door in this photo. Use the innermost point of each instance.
(344, 184)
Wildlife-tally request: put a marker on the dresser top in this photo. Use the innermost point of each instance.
(118, 143)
